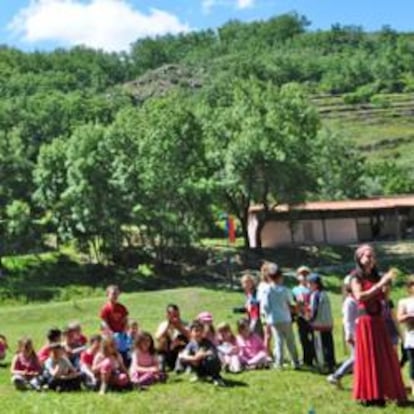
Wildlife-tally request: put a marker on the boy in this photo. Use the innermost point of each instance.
(114, 318)
(53, 336)
(201, 355)
(62, 375)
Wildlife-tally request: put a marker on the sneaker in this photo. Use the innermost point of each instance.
(195, 378)
(218, 382)
(278, 367)
(334, 381)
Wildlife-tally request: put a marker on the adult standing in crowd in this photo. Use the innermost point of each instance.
(171, 338)
(301, 294)
(377, 371)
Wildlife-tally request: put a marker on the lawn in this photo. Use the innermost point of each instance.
(260, 392)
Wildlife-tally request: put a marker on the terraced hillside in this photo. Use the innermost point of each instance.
(382, 129)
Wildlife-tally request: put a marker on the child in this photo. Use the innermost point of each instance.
(53, 336)
(202, 356)
(3, 347)
(350, 314)
(113, 314)
(206, 319)
(405, 315)
(133, 332)
(266, 269)
(277, 302)
(74, 344)
(108, 363)
(145, 367)
(390, 318)
(62, 376)
(228, 349)
(86, 361)
(114, 318)
(322, 323)
(252, 306)
(25, 367)
(253, 353)
(301, 294)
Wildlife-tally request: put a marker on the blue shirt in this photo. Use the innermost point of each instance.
(276, 304)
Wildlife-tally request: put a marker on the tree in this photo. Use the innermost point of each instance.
(259, 146)
(338, 166)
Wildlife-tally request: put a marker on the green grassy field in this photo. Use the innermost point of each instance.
(260, 392)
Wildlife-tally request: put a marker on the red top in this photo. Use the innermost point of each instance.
(43, 353)
(374, 305)
(87, 358)
(115, 316)
(27, 364)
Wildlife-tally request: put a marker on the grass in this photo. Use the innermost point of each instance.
(259, 392)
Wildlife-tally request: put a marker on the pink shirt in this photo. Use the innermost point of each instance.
(143, 359)
(251, 346)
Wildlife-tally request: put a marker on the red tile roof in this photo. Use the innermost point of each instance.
(365, 204)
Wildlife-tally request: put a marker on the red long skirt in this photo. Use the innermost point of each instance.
(377, 374)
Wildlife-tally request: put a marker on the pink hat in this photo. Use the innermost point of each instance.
(205, 317)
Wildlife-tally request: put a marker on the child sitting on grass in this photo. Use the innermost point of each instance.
(25, 367)
(145, 366)
(206, 319)
(62, 376)
(253, 353)
(74, 344)
(3, 347)
(86, 361)
(53, 336)
(202, 356)
(109, 365)
(228, 349)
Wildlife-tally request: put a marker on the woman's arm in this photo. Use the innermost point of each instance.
(365, 295)
(13, 369)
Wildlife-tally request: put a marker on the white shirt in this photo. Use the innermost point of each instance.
(407, 306)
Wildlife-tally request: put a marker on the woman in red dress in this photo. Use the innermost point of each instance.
(377, 372)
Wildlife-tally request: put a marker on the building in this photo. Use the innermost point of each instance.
(333, 222)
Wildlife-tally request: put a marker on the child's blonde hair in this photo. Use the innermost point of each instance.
(247, 277)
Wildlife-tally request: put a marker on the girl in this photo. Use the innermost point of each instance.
(376, 370)
(253, 353)
(25, 367)
(145, 367)
(322, 323)
(252, 306)
(266, 269)
(228, 349)
(86, 362)
(350, 314)
(3, 347)
(405, 315)
(110, 366)
(206, 319)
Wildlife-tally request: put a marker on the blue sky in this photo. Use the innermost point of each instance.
(114, 24)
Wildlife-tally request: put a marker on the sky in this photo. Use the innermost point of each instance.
(113, 25)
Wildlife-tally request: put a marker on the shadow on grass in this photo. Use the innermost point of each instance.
(60, 277)
(232, 383)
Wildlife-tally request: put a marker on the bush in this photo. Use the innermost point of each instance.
(380, 101)
(362, 95)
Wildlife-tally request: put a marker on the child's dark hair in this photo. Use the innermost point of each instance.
(242, 324)
(142, 337)
(172, 307)
(95, 338)
(196, 325)
(53, 335)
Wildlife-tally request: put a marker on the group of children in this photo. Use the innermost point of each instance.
(122, 356)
